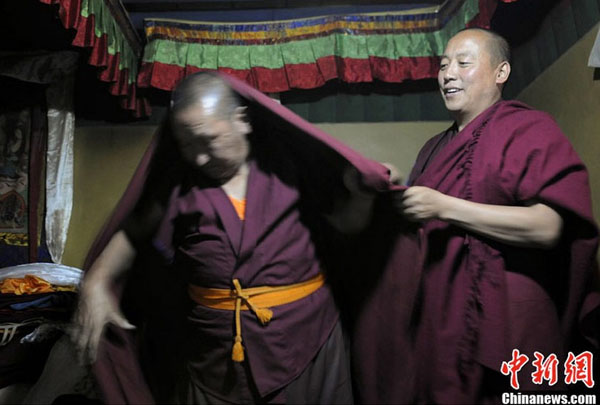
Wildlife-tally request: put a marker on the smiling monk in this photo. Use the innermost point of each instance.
(504, 204)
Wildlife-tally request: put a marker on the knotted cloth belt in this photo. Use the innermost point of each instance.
(256, 299)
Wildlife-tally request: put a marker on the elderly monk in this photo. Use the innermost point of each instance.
(504, 203)
(231, 214)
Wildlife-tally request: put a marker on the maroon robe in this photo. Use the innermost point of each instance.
(272, 246)
(255, 252)
(480, 299)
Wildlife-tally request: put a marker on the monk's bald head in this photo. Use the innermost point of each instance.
(496, 46)
(210, 126)
(208, 90)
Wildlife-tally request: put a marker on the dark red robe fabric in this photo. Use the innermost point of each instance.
(393, 271)
(481, 299)
(275, 245)
(321, 160)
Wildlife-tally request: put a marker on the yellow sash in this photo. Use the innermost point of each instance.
(256, 299)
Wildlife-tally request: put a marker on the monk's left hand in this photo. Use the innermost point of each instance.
(354, 184)
(352, 212)
(395, 175)
(422, 204)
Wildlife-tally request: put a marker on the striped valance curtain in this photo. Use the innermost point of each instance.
(276, 56)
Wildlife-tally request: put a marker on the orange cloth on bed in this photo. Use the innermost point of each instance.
(26, 285)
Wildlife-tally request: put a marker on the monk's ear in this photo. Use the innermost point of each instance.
(503, 72)
(240, 112)
(240, 118)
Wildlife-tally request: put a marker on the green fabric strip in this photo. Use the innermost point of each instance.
(241, 57)
(105, 24)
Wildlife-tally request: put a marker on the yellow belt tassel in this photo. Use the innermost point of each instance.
(238, 350)
(237, 354)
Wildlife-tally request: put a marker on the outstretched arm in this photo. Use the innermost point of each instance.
(97, 305)
(537, 225)
(352, 213)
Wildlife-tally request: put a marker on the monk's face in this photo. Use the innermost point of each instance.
(216, 144)
(467, 77)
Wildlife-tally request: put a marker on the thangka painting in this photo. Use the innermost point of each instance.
(23, 132)
(15, 129)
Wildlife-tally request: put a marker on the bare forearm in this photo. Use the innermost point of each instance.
(534, 226)
(97, 306)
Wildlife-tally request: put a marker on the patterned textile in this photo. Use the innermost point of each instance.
(104, 27)
(55, 70)
(15, 129)
(22, 152)
(275, 56)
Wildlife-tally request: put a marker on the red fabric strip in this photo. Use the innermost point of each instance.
(37, 153)
(312, 75)
(302, 76)
(486, 12)
(70, 15)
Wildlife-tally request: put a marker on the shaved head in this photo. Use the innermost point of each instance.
(208, 90)
(496, 45)
(210, 126)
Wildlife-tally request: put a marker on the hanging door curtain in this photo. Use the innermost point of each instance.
(276, 56)
(22, 150)
(37, 91)
(103, 25)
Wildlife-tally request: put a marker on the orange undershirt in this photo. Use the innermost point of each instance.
(239, 205)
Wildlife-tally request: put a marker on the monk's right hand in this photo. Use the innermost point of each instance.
(96, 308)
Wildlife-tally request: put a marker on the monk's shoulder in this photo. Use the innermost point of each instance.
(516, 112)
(515, 119)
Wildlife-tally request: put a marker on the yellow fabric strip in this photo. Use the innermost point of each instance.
(412, 11)
(182, 33)
(14, 239)
(267, 296)
(256, 299)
